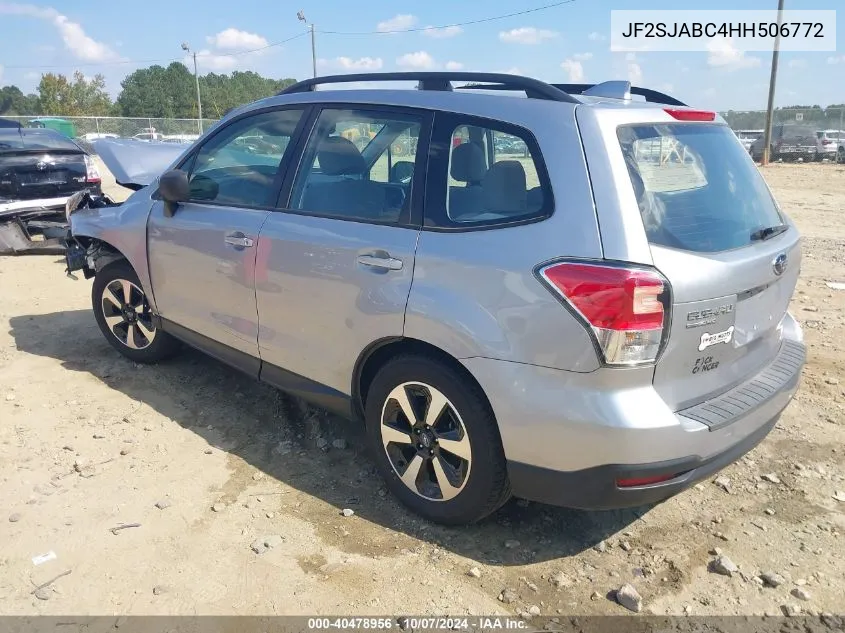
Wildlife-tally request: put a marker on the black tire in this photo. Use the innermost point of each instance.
(486, 487)
(142, 349)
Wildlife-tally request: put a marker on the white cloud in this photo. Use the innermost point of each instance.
(723, 54)
(667, 88)
(73, 35)
(419, 61)
(208, 61)
(797, 63)
(399, 22)
(454, 65)
(347, 63)
(634, 70)
(840, 59)
(443, 32)
(595, 36)
(575, 69)
(582, 57)
(232, 39)
(526, 35)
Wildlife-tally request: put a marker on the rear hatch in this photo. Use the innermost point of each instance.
(730, 256)
(796, 139)
(40, 164)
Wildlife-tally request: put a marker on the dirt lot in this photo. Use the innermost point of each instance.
(90, 441)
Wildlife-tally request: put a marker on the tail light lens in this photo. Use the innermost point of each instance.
(690, 115)
(625, 308)
(92, 174)
(827, 142)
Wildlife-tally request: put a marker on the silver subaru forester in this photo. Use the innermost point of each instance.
(577, 297)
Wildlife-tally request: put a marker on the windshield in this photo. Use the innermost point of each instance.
(696, 187)
(33, 139)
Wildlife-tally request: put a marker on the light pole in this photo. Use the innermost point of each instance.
(187, 49)
(767, 135)
(301, 17)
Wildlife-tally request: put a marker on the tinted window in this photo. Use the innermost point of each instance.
(696, 188)
(351, 169)
(30, 139)
(238, 165)
(484, 173)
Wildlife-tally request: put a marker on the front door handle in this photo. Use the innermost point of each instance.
(238, 240)
(385, 262)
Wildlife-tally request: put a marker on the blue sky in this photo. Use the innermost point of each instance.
(564, 43)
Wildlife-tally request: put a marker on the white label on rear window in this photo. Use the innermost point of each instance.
(708, 340)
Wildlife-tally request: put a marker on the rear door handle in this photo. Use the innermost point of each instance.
(238, 240)
(385, 262)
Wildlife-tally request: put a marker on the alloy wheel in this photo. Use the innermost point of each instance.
(127, 314)
(426, 441)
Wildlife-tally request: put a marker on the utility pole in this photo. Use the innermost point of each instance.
(301, 17)
(767, 136)
(187, 48)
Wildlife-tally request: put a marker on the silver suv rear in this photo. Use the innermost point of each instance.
(575, 297)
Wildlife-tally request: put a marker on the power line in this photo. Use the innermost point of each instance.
(124, 62)
(446, 26)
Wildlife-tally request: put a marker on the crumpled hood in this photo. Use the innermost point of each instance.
(135, 164)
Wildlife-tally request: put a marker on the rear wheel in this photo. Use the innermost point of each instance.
(435, 441)
(123, 313)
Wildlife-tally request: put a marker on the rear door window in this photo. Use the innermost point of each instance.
(696, 188)
(485, 173)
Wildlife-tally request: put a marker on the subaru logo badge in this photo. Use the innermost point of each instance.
(779, 265)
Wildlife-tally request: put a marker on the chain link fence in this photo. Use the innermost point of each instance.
(820, 119)
(91, 127)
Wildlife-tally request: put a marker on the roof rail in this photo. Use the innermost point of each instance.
(618, 90)
(533, 88)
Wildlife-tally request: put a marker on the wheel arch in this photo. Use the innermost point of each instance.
(380, 352)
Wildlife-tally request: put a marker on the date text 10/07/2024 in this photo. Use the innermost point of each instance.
(417, 624)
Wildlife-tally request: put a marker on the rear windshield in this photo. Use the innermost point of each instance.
(26, 139)
(696, 187)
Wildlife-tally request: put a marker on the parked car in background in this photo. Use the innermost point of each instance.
(39, 170)
(557, 316)
(790, 141)
(63, 126)
(747, 137)
(830, 144)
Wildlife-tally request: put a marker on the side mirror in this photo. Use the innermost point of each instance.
(173, 186)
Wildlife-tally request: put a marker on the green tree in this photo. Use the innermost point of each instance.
(80, 97)
(14, 102)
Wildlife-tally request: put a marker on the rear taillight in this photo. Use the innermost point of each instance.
(92, 174)
(690, 115)
(827, 142)
(633, 482)
(625, 308)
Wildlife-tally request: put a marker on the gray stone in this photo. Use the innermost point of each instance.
(626, 546)
(347, 512)
(724, 566)
(601, 547)
(257, 476)
(560, 580)
(258, 546)
(273, 540)
(769, 511)
(125, 451)
(831, 380)
(339, 444)
(160, 589)
(14, 517)
(595, 596)
(474, 572)
(45, 593)
(772, 478)
(800, 593)
(839, 495)
(322, 442)
(790, 610)
(723, 482)
(164, 503)
(508, 596)
(629, 598)
(218, 507)
(534, 609)
(772, 579)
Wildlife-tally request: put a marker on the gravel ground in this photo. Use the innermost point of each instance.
(237, 492)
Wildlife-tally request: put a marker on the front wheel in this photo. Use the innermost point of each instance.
(122, 311)
(435, 441)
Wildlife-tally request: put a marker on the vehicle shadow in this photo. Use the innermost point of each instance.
(284, 438)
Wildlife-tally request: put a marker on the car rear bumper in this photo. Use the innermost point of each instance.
(569, 438)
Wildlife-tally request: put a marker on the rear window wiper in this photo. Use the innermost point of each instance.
(766, 233)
